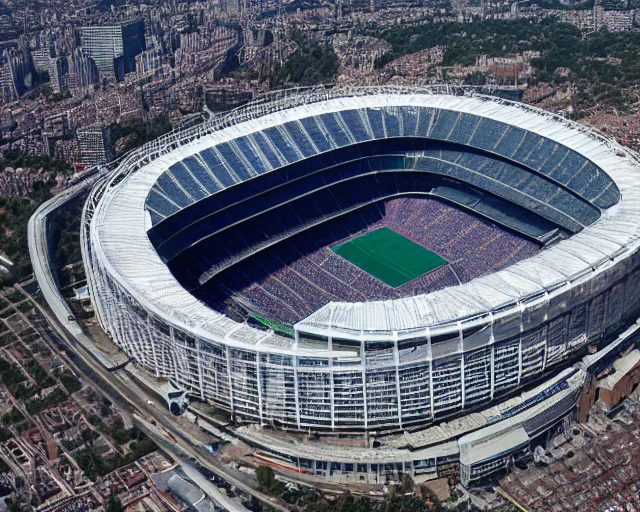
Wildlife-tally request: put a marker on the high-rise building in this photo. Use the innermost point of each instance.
(55, 129)
(107, 43)
(42, 57)
(56, 65)
(15, 74)
(83, 69)
(148, 62)
(94, 145)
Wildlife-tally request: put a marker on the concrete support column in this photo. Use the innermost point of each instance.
(364, 383)
(175, 363)
(153, 347)
(396, 361)
(431, 390)
(259, 386)
(461, 352)
(333, 407)
(520, 344)
(200, 368)
(228, 355)
(493, 370)
(296, 389)
(546, 330)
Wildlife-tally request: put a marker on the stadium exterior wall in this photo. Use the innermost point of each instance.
(329, 379)
(270, 387)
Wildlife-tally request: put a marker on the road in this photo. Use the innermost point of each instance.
(38, 241)
(126, 393)
(218, 497)
(213, 492)
(87, 360)
(506, 495)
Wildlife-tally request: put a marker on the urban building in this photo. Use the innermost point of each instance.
(94, 145)
(15, 74)
(114, 47)
(83, 72)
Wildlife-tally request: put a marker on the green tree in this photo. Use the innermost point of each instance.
(266, 477)
(312, 63)
(114, 504)
(87, 437)
(13, 506)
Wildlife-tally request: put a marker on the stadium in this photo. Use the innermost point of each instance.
(372, 260)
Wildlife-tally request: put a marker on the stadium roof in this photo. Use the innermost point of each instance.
(120, 225)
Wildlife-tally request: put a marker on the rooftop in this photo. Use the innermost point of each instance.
(622, 367)
(120, 224)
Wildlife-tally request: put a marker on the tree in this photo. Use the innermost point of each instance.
(13, 506)
(407, 485)
(312, 63)
(266, 477)
(46, 90)
(114, 504)
(87, 437)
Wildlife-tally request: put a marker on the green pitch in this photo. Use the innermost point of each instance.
(389, 256)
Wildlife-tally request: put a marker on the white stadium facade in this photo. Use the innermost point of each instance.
(207, 263)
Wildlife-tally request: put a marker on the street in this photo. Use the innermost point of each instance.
(146, 409)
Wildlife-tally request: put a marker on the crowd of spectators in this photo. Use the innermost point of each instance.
(294, 278)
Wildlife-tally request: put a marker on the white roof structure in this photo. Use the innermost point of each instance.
(120, 225)
(484, 447)
(622, 368)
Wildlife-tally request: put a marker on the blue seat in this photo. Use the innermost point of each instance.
(487, 134)
(334, 130)
(376, 123)
(160, 203)
(409, 121)
(444, 124)
(608, 197)
(204, 177)
(539, 154)
(464, 128)
(289, 153)
(233, 161)
(300, 138)
(217, 167)
(247, 150)
(187, 181)
(167, 184)
(530, 145)
(317, 135)
(265, 147)
(155, 217)
(510, 142)
(354, 123)
(391, 123)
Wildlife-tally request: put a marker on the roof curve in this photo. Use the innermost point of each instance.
(120, 223)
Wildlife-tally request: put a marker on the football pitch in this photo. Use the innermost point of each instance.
(389, 256)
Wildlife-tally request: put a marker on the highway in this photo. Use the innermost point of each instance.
(38, 237)
(196, 477)
(81, 354)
